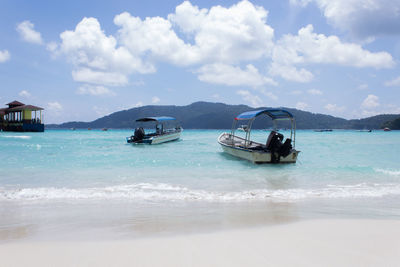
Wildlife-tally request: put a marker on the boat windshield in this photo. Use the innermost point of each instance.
(157, 127)
(274, 114)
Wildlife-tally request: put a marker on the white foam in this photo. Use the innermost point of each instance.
(18, 136)
(167, 192)
(388, 172)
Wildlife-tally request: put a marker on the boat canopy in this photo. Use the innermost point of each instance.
(160, 119)
(275, 114)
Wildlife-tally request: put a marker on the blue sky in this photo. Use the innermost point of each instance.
(81, 60)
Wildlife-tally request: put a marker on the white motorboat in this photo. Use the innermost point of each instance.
(273, 151)
(166, 129)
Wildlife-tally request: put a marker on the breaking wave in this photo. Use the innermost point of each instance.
(166, 192)
(17, 136)
(388, 172)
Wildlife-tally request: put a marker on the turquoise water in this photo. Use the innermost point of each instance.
(60, 179)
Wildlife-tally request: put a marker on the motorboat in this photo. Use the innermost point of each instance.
(323, 130)
(166, 129)
(275, 150)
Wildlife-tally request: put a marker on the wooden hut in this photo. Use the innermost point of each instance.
(19, 117)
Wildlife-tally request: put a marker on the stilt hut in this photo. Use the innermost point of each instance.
(19, 117)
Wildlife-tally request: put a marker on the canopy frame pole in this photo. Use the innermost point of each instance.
(248, 131)
(233, 128)
(294, 133)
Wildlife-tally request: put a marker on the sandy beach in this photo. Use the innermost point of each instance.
(344, 242)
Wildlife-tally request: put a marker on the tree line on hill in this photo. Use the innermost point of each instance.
(206, 115)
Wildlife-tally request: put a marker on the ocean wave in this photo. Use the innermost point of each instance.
(167, 192)
(17, 136)
(389, 172)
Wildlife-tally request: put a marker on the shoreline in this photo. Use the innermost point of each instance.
(317, 242)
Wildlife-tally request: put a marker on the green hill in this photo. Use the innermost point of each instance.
(206, 115)
(393, 124)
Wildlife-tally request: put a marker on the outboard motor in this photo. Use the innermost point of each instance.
(274, 144)
(139, 135)
(286, 148)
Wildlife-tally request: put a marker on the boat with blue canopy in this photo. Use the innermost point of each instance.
(275, 150)
(162, 129)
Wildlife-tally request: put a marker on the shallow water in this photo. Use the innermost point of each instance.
(90, 182)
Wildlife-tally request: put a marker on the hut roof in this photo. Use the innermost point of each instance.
(15, 103)
(24, 107)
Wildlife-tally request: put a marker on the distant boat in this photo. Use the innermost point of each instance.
(323, 130)
(72, 129)
(166, 129)
(274, 151)
(386, 129)
(104, 129)
(89, 129)
(365, 130)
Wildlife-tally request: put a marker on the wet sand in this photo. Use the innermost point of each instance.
(328, 242)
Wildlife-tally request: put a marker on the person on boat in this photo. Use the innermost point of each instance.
(159, 129)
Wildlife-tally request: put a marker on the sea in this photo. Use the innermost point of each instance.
(92, 184)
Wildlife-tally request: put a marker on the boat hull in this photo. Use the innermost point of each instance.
(165, 138)
(255, 156)
(158, 139)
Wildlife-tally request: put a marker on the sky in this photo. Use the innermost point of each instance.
(81, 60)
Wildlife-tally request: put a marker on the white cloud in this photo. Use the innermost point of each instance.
(383, 109)
(254, 100)
(370, 113)
(314, 92)
(370, 102)
(4, 56)
(290, 73)
(269, 94)
(311, 48)
(98, 90)
(28, 33)
(54, 106)
(24, 93)
(394, 82)
(233, 76)
(101, 111)
(363, 86)
(220, 35)
(155, 100)
(222, 44)
(216, 96)
(87, 75)
(96, 57)
(361, 18)
(138, 104)
(392, 109)
(302, 105)
(154, 35)
(302, 3)
(52, 47)
(226, 35)
(334, 108)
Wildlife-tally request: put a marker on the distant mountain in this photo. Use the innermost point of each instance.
(393, 124)
(206, 115)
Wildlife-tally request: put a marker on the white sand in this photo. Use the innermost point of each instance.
(305, 243)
